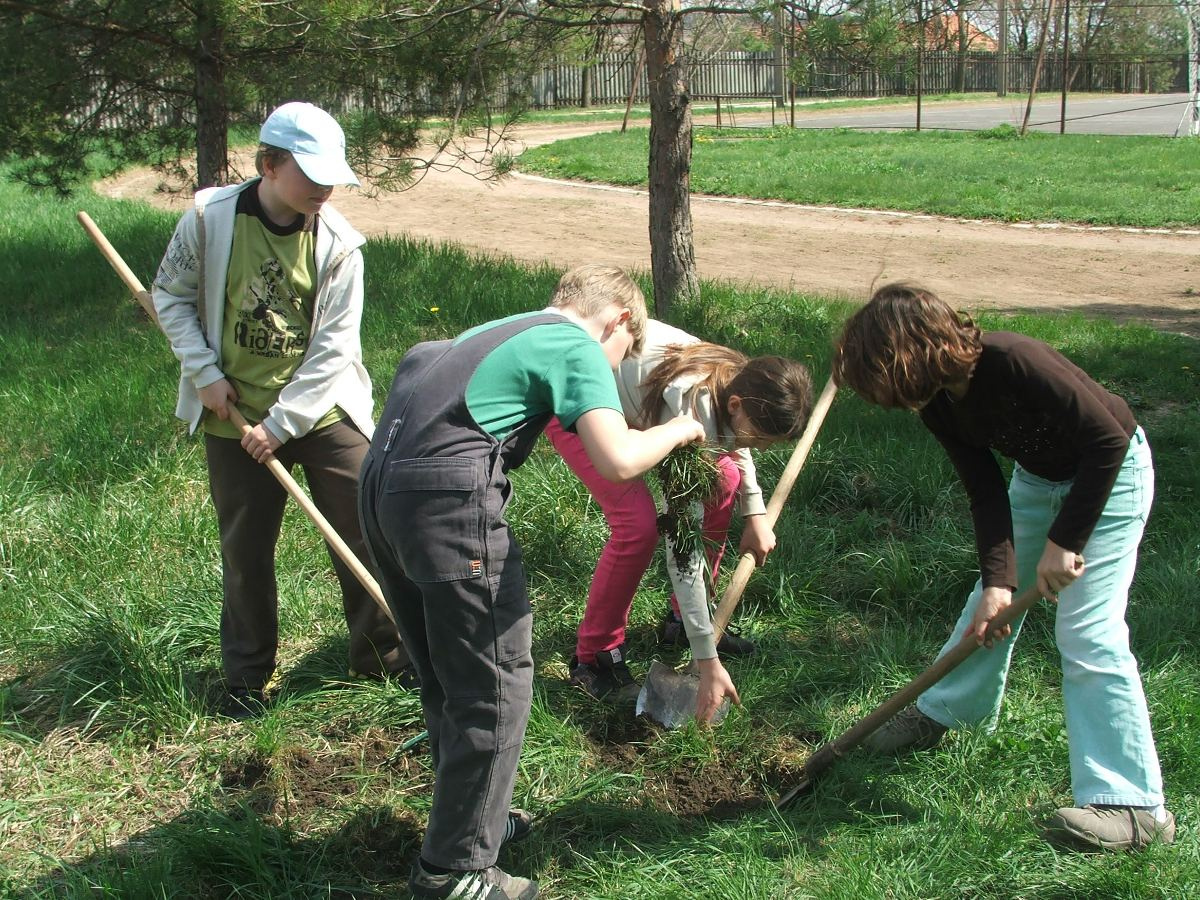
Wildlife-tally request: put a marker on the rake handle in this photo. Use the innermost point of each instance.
(340, 547)
(747, 563)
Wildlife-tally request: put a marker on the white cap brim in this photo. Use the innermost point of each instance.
(325, 171)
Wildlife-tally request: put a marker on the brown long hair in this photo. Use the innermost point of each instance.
(904, 346)
(776, 393)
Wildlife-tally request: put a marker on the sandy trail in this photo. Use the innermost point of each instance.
(1148, 276)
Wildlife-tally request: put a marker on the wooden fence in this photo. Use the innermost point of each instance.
(733, 76)
(744, 75)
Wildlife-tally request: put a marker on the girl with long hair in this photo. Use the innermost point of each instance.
(742, 403)
(1070, 521)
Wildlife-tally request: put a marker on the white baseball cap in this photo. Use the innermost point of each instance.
(315, 140)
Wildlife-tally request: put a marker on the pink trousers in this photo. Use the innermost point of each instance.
(633, 525)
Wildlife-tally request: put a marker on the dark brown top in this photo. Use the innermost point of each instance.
(1033, 405)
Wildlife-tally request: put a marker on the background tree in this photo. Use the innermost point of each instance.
(131, 77)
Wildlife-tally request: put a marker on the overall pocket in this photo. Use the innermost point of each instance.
(437, 514)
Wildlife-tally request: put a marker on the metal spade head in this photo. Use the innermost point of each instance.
(669, 697)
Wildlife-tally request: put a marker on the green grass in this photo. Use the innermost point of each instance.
(116, 779)
(1146, 181)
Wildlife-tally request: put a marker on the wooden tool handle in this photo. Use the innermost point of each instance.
(745, 566)
(825, 755)
(142, 296)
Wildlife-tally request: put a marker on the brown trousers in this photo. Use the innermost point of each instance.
(250, 505)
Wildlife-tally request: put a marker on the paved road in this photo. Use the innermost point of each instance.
(1126, 114)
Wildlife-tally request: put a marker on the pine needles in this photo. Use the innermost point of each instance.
(688, 477)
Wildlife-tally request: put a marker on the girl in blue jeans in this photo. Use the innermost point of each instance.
(1070, 521)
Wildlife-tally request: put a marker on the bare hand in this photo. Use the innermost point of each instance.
(688, 430)
(1057, 569)
(993, 602)
(715, 686)
(217, 397)
(758, 538)
(260, 443)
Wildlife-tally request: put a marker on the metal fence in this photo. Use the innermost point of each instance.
(744, 75)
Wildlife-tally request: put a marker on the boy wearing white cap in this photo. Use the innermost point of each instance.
(260, 293)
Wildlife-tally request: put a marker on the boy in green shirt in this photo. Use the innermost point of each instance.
(459, 416)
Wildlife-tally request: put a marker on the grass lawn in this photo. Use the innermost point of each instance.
(116, 779)
(1096, 179)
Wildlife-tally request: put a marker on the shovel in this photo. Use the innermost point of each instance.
(830, 752)
(142, 296)
(669, 697)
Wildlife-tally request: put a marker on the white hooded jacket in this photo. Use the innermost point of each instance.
(331, 372)
(686, 397)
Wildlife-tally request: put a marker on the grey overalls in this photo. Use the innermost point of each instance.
(432, 497)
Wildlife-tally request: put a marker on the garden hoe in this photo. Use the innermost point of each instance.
(669, 697)
(830, 752)
(142, 296)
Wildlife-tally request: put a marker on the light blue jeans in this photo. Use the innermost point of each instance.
(1113, 760)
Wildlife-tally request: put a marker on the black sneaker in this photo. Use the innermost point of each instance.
(607, 676)
(671, 631)
(481, 884)
(244, 703)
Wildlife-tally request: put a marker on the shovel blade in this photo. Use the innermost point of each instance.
(669, 697)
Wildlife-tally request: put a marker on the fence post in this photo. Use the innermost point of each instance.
(1002, 74)
(1066, 73)
(920, 59)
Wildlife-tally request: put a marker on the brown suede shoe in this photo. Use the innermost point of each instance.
(1108, 828)
(906, 731)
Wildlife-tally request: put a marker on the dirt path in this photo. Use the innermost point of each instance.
(1152, 277)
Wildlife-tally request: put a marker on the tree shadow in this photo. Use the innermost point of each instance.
(235, 848)
(102, 688)
(230, 851)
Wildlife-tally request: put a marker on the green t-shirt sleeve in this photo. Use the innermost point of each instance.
(579, 381)
(553, 368)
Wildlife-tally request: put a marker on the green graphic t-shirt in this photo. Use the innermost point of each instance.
(269, 294)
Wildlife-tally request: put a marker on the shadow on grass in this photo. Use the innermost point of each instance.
(103, 689)
(231, 851)
(236, 849)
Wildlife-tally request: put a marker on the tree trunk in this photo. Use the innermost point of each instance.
(672, 257)
(212, 105)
